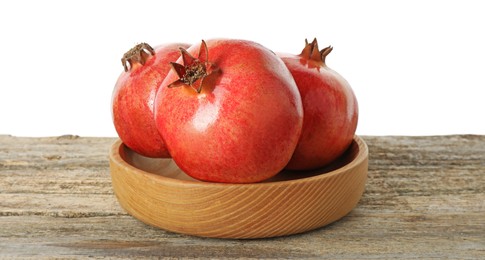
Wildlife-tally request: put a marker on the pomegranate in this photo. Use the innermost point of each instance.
(134, 95)
(329, 105)
(232, 115)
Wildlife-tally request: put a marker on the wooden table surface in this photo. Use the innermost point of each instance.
(425, 198)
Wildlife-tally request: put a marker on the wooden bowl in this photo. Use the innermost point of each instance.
(158, 193)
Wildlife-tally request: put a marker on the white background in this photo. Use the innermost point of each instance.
(417, 67)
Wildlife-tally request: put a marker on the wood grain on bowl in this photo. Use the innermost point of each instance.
(158, 193)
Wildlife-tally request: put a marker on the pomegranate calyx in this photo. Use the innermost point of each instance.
(324, 52)
(311, 51)
(194, 70)
(138, 54)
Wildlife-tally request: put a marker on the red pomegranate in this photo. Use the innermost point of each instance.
(134, 95)
(329, 105)
(233, 114)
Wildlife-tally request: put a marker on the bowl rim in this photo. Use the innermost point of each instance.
(115, 157)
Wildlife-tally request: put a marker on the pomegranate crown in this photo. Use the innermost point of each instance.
(311, 51)
(193, 71)
(138, 54)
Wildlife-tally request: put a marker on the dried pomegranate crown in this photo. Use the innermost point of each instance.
(138, 54)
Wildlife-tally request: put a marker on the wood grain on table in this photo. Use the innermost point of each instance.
(425, 198)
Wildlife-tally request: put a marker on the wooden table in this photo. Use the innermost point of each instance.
(425, 197)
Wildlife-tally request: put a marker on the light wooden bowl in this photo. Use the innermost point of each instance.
(158, 193)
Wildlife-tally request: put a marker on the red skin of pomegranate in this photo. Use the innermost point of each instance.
(245, 122)
(330, 109)
(134, 95)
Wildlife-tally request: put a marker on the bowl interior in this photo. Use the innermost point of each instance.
(168, 168)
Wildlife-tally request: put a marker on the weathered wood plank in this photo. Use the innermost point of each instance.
(425, 197)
